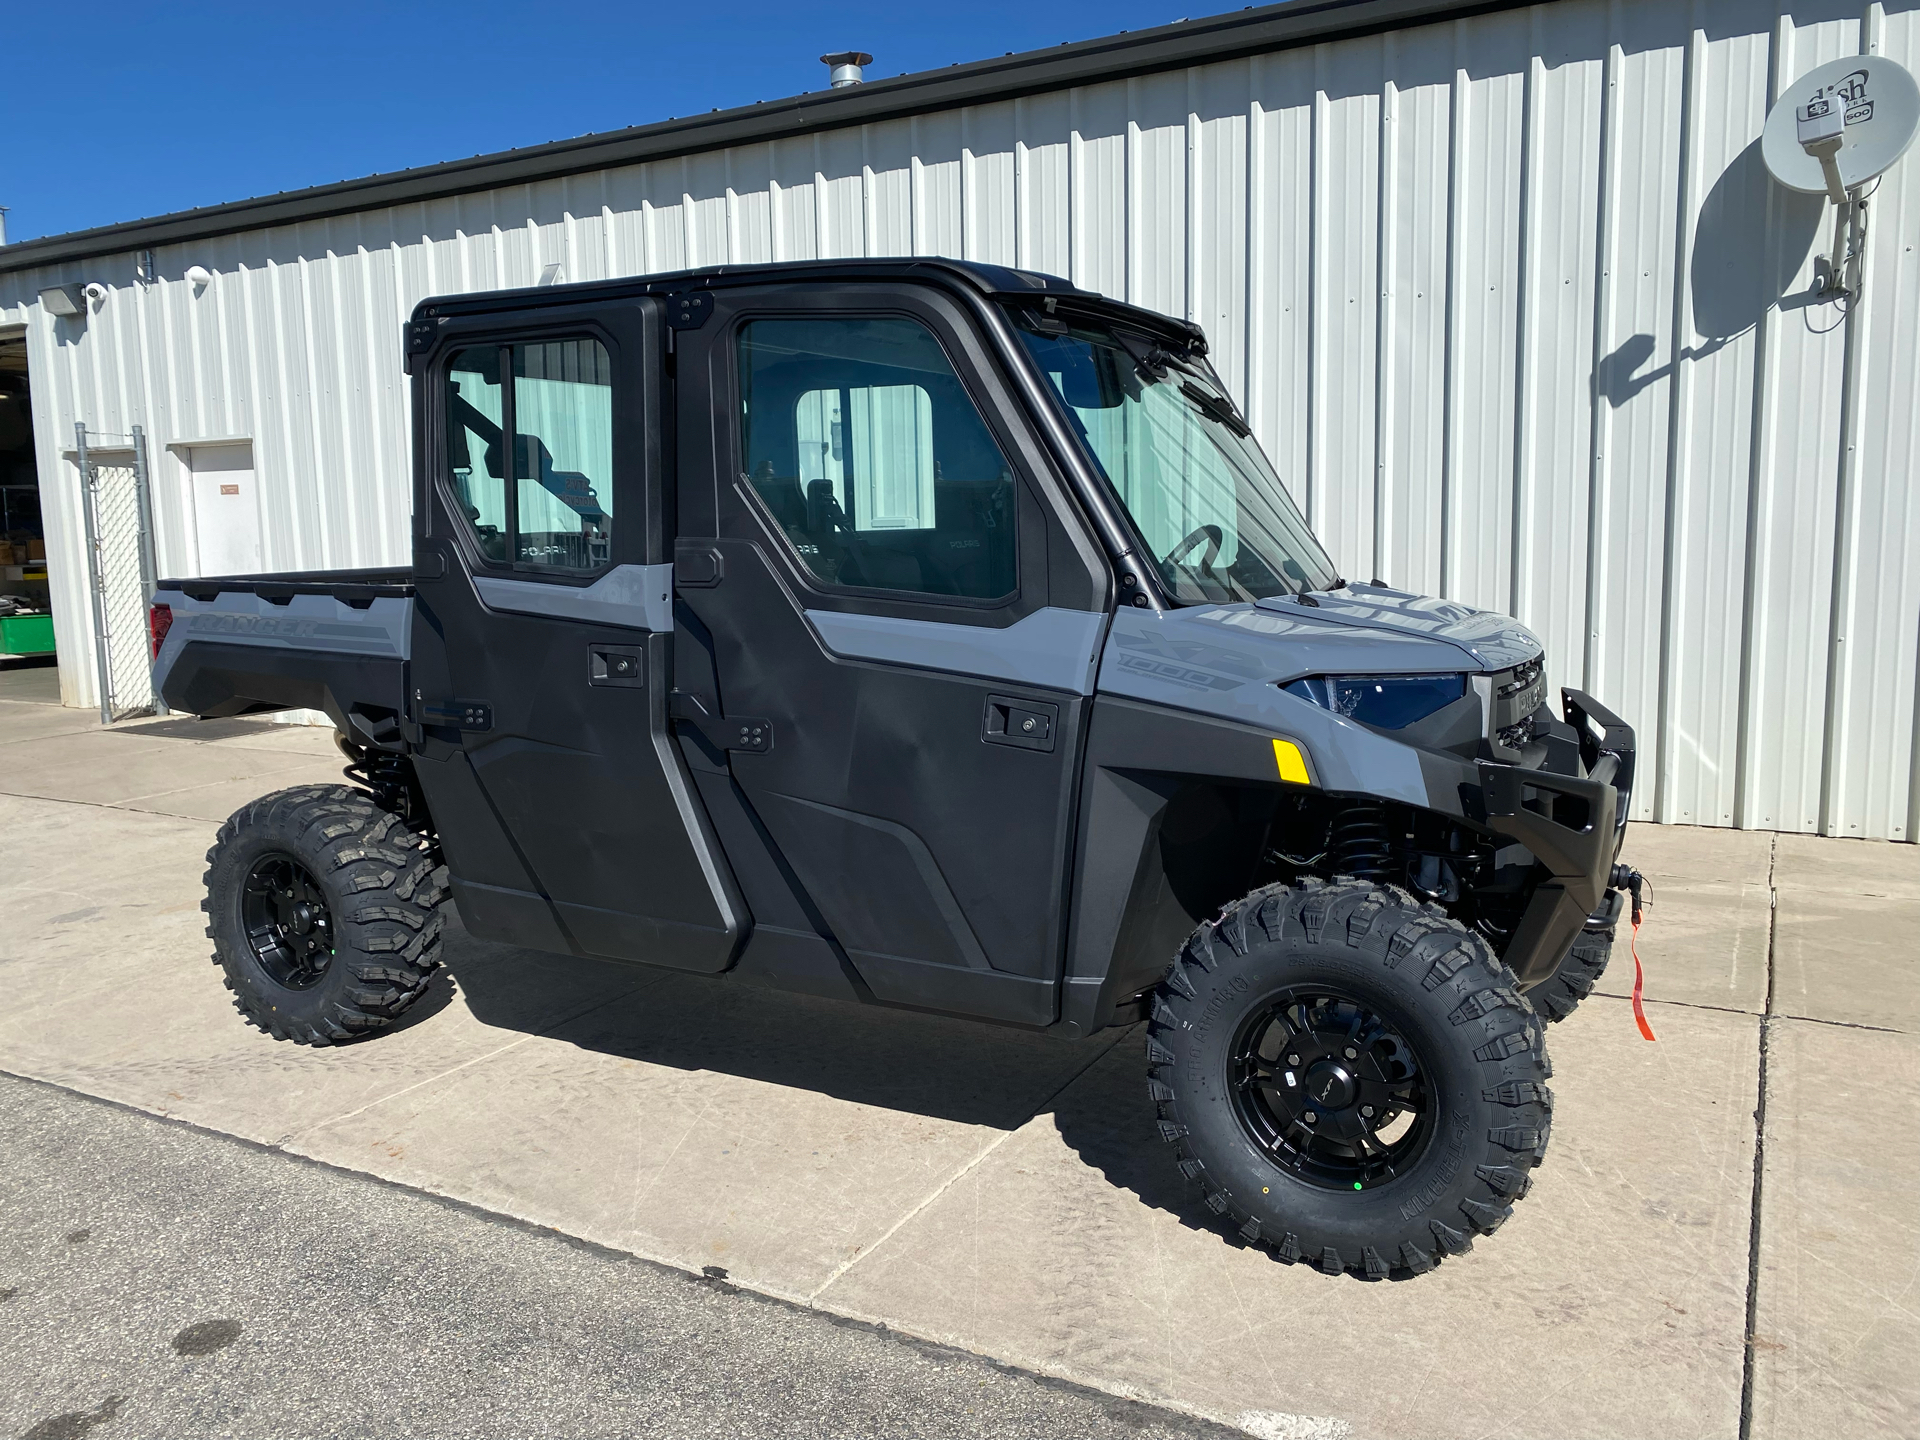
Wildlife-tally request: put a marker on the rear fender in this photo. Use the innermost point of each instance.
(241, 653)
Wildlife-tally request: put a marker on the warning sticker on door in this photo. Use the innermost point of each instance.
(229, 489)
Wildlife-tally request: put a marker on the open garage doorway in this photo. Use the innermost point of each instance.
(26, 618)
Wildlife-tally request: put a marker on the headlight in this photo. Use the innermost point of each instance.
(1387, 702)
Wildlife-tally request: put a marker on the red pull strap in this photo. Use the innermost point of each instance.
(1639, 982)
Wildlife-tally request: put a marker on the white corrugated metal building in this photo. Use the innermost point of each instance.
(1504, 289)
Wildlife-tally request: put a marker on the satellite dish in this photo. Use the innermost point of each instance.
(1869, 105)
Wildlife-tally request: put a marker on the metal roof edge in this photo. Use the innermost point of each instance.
(1085, 62)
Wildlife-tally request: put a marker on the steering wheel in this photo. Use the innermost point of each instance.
(1208, 533)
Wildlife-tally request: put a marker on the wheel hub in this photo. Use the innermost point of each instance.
(288, 926)
(1330, 1089)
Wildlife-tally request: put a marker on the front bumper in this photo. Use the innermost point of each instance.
(1572, 824)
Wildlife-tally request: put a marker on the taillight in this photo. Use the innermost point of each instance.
(159, 621)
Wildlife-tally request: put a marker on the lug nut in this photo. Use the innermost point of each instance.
(1311, 1118)
(1352, 1054)
(1367, 1110)
(1293, 1060)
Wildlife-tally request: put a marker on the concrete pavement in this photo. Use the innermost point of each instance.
(1005, 1193)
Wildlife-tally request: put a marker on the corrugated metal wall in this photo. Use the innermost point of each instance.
(1510, 300)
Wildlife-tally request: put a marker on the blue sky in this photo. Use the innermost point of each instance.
(119, 111)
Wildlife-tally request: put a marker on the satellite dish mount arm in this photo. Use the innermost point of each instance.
(1827, 151)
(1821, 130)
(1849, 243)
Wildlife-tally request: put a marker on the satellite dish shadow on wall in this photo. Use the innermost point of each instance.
(1751, 240)
(1614, 377)
(1749, 243)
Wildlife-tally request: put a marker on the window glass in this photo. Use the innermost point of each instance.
(1217, 520)
(555, 511)
(563, 427)
(883, 443)
(475, 453)
(869, 453)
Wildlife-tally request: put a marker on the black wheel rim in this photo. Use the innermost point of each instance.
(1331, 1089)
(289, 926)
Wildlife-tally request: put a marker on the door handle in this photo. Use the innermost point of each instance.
(621, 666)
(1025, 724)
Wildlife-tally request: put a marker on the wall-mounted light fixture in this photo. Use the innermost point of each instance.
(64, 301)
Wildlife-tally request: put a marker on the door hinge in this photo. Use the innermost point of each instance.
(455, 714)
(724, 732)
(689, 311)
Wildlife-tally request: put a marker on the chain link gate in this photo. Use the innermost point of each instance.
(118, 512)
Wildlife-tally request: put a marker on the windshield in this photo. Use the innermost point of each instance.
(1214, 516)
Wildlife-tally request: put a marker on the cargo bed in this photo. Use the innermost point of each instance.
(331, 640)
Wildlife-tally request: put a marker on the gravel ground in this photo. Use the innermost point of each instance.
(159, 1280)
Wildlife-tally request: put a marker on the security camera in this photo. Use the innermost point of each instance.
(96, 294)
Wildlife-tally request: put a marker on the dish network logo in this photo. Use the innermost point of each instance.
(1850, 92)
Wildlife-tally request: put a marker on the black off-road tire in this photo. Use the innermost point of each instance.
(1580, 970)
(383, 893)
(1479, 1044)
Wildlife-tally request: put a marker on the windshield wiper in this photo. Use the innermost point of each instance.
(1216, 407)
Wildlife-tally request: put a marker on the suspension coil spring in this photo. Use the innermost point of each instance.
(1360, 844)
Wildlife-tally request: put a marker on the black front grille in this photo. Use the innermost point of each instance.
(1513, 720)
(1521, 676)
(1518, 735)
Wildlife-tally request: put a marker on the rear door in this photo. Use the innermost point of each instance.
(898, 620)
(541, 648)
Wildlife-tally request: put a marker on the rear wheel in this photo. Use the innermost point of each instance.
(324, 912)
(1351, 1076)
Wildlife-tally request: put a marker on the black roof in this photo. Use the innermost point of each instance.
(988, 279)
(1166, 47)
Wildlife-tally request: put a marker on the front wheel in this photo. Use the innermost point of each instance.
(1578, 972)
(1352, 1077)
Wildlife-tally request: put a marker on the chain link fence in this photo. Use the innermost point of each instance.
(120, 568)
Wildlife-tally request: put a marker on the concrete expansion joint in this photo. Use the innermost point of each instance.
(958, 1175)
(1764, 1018)
(1759, 1154)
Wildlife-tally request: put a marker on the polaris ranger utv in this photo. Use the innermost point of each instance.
(933, 635)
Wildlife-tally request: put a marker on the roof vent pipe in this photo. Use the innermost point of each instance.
(846, 65)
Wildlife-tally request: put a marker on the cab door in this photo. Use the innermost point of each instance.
(542, 642)
(898, 622)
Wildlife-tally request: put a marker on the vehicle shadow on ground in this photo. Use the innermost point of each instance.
(922, 1064)
(435, 998)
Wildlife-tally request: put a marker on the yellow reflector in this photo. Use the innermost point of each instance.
(1293, 765)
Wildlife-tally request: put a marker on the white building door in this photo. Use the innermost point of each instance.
(226, 508)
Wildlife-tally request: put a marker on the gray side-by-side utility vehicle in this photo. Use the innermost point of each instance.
(933, 635)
